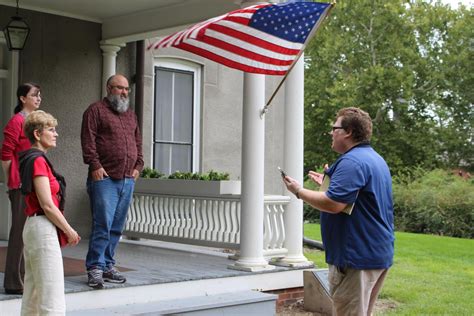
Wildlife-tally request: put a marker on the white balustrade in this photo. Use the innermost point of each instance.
(207, 221)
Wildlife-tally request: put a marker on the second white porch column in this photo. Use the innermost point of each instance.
(253, 149)
(109, 59)
(293, 164)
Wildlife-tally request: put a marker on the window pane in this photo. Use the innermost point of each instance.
(170, 158)
(163, 105)
(162, 154)
(181, 158)
(183, 107)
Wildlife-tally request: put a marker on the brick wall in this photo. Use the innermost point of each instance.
(288, 296)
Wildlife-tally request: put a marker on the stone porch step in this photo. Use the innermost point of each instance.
(236, 303)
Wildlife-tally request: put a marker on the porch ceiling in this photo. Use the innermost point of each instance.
(126, 20)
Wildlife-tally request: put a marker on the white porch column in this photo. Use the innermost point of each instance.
(293, 164)
(252, 192)
(109, 59)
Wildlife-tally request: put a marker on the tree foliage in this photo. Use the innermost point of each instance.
(410, 65)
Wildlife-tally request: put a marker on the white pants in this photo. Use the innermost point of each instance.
(43, 292)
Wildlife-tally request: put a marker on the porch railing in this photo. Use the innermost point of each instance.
(207, 221)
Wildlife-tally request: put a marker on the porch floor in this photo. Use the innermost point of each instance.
(160, 271)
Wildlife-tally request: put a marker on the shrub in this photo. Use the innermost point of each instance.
(434, 202)
(148, 172)
(310, 214)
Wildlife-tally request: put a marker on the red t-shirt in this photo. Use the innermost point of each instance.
(14, 141)
(41, 168)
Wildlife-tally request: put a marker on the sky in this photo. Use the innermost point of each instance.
(454, 3)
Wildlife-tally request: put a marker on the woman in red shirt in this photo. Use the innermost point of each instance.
(46, 228)
(14, 141)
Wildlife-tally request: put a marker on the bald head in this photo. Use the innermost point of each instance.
(117, 92)
(116, 79)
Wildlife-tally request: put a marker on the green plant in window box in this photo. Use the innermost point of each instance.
(211, 175)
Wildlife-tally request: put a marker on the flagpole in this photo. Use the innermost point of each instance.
(310, 36)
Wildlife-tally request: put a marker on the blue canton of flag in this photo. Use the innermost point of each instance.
(292, 21)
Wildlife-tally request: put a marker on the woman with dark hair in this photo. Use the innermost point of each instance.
(46, 228)
(14, 141)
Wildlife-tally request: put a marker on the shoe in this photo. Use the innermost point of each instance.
(14, 292)
(114, 276)
(95, 279)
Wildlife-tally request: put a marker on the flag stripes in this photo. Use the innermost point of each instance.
(263, 39)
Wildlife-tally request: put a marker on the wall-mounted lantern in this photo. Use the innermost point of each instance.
(16, 32)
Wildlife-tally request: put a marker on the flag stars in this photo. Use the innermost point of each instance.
(292, 21)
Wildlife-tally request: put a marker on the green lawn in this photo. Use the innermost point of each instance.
(431, 275)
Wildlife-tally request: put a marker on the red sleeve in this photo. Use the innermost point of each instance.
(11, 132)
(41, 168)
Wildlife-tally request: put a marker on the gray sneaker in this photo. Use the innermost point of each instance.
(114, 276)
(95, 279)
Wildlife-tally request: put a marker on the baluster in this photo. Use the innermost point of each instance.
(173, 215)
(267, 228)
(131, 215)
(161, 207)
(166, 211)
(214, 212)
(195, 219)
(281, 224)
(154, 215)
(181, 220)
(205, 220)
(147, 218)
(186, 218)
(227, 221)
(141, 214)
(238, 213)
(277, 226)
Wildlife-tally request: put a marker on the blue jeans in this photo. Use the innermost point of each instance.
(109, 200)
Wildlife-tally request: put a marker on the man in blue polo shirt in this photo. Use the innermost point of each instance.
(359, 246)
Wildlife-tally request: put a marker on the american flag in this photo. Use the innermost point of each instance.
(263, 39)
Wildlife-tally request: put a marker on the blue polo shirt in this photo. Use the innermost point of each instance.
(365, 239)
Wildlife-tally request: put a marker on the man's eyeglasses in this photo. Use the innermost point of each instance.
(128, 89)
(337, 127)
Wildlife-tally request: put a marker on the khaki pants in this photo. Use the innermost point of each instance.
(44, 276)
(354, 292)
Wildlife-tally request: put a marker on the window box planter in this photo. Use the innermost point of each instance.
(199, 188)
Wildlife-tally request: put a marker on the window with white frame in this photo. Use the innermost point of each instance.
(176, 116)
